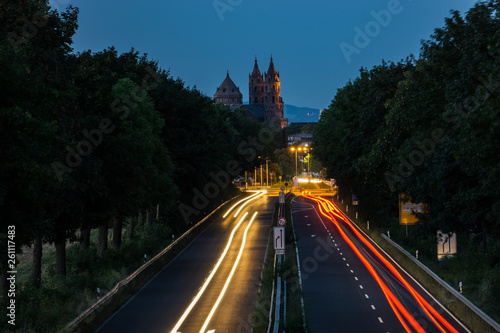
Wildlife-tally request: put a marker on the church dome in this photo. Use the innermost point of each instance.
(228, 93)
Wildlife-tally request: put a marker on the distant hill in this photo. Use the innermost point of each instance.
(297, 114)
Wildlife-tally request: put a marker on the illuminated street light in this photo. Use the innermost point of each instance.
(295, 149)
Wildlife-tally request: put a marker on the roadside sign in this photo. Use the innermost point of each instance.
(281, 197)
(279, 240)
(281, 221)
(407, 210)
(446, 245)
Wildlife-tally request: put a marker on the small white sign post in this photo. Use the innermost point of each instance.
(446, 245)
(279, 240)
(281, 222)
(282, 202)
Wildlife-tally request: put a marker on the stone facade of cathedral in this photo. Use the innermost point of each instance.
(265, 102)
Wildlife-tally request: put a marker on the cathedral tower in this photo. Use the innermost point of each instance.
(256, 86)
(228, 93)
(273, 103)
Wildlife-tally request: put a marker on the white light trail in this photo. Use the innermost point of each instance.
(207, 281)
(210, 315)
(230, 209)
(260, 194)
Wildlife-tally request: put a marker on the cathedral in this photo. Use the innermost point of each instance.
(265, 102)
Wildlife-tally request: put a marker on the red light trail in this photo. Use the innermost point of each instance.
(330, 211)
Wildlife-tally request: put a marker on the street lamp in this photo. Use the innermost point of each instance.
(295, 150)
(306, 148)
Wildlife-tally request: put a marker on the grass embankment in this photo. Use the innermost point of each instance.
(288, 271)
(482, 283)
(60, 299)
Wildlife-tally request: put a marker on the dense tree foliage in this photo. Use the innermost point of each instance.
(349, 131)
(427, 127)
(99, 139)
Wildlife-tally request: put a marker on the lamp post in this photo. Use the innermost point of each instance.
(255, 178)
(295, 150)
(267, 172)
(306, 150)
(261, 180)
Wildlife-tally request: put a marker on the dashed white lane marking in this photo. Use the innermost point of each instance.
(344, 259)
(352, 271)
(356, 278)
(380, 319)
(373, 307)
(309, 224)
(338, 249)
(366, 295)
(361, 286)
(347, 265)
(313, 235)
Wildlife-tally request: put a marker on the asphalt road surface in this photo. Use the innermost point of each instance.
(351, 285)
(209, 287)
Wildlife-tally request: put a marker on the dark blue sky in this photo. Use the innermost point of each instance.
(316, 45)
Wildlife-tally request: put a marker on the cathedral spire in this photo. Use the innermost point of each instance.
(271, 70)
(256, 70)
(272, 75)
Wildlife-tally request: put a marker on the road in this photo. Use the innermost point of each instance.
(352, 285)
(212, 285)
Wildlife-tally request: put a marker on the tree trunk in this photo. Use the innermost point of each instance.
(149, 217)
(102, 238)
(484, 239)
(85, 238)
(117, 231)
(141, 221)
(60, 243)
(37, 261)
(132, 227)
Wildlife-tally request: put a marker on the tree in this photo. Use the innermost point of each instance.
(348, 136)
(129, 155)
(34, 56)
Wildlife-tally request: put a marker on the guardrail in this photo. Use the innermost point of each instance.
(300, 276)
(102, 302)
(277, 308)
(272, 300)
(443, 283)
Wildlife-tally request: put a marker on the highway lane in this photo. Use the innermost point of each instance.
(350, 285)
(228, 257)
